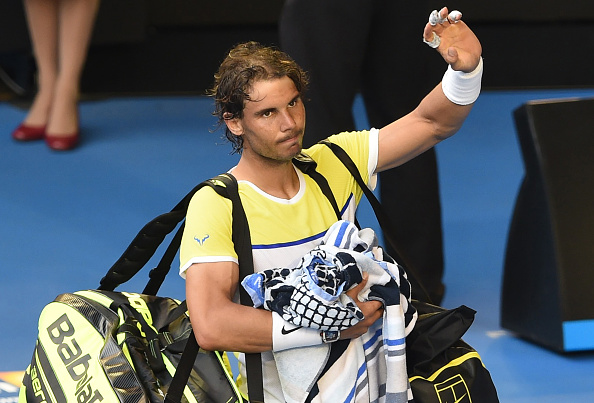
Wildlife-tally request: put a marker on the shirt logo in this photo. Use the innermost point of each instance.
(202, 240)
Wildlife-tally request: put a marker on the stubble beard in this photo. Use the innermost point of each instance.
(298, 148)
(277, 154)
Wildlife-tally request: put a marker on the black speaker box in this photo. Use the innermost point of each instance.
(548, 281)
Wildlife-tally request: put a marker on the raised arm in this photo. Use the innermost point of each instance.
(442, 112)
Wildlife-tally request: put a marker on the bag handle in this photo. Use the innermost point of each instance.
(145, 244)
(151, 236)
(383, 219)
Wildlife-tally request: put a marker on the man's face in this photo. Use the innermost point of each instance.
(273, 121)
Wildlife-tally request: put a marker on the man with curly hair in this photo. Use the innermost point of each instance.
(258, 95)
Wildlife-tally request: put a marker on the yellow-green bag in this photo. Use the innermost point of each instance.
(101, 346)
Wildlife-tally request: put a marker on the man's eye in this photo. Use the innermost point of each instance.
(293, 103)
(267, 114)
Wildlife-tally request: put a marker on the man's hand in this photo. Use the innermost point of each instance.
(458, 45)
(373, 310)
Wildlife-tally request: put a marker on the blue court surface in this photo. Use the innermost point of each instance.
(67, 217)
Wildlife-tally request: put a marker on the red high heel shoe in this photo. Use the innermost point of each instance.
(28, 133)
(63, 143)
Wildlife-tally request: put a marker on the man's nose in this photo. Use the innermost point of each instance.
(288, 120)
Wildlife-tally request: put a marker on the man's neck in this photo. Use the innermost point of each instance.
(278, 179)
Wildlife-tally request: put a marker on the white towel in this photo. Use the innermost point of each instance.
(312, 294)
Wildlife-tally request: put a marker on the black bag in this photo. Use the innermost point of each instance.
(441, 366)
(101, 345)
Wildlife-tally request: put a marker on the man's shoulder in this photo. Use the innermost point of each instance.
(347, 140)
(356, 144)
(206, 196)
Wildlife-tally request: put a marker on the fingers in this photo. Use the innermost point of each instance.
(376, 313)
(454, 17)
(442, 16)
(431, 38)
(354, 291)
(438, 19)
(373, 310)
(368, 308)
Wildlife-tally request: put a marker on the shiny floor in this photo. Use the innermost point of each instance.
(66, 217)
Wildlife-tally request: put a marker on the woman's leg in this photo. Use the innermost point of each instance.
(76, 20)
(42, 19)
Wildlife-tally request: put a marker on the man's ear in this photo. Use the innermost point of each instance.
(234, 125)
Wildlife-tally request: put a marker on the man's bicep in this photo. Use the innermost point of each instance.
(219, 322)
(212, 278)
(210, 285)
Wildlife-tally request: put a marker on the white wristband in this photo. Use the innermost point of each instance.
(286, 335)
(462, 88)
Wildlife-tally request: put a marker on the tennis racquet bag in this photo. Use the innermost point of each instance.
(101, 346)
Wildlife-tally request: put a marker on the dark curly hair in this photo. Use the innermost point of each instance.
(245, 64)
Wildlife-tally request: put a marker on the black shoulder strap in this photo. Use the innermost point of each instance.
(226, 186)
(146, 243)
(243, 247)
(308, 166)
(382, 218)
